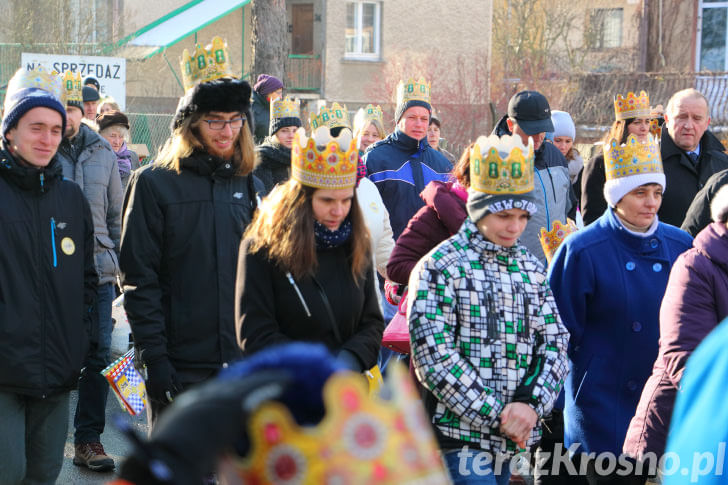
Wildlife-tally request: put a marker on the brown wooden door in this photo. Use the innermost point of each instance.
(302, 36)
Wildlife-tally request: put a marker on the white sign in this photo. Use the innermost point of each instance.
(110, 72)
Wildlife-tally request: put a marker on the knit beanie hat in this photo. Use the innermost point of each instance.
(630, 165)
(266, 84)
(412, 93)
(501, 176)
(719, 205)
(563, 124)
(32, 89)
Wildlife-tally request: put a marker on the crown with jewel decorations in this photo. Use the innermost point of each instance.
(632, 158)
(285, 108)
(632, 106)
(206, 64)
(334, 117)
(364, 115)
(324, 162)
(361, 439)
(551, 240)
(501, 165)
(73, 89)
(411, 90)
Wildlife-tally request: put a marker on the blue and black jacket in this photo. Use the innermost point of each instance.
(401, 167)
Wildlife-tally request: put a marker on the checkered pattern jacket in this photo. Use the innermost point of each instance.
(484, 331)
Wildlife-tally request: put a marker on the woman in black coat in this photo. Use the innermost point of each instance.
(304, 268)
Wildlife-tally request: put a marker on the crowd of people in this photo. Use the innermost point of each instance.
(249, 232)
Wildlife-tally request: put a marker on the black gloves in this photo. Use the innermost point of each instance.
(196, 430)
(162, 383)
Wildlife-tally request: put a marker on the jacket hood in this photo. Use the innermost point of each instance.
(203, 163)
(274, 151)
(713, 243)
(450, 208)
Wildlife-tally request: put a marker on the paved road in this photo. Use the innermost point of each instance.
(114, 442)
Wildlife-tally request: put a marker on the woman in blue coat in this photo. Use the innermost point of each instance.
(608, 280)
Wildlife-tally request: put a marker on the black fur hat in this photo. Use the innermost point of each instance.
(224, 94)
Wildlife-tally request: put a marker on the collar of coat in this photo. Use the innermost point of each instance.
(669, 149)
(29, 178)
(203, 163)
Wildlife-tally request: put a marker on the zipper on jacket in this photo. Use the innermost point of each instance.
(41, 178)
(53, 241)
(298, 292)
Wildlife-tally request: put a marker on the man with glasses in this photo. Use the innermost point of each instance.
(184, 217)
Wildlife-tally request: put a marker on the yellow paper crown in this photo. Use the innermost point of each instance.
(38, 78)
(333, 117)
(207, 64)
(361, 440)
(632, 158)
(72, 87)
(364, 115)
(411, 90)
(501, 165)
(632, 106)
(551, 240)
(324, 162)
(285, 108)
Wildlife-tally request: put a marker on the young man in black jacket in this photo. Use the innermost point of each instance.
(47, 282)
(184, 217)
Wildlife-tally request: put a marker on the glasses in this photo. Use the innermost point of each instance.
(217, 125)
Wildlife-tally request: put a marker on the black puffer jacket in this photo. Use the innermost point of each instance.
(179, 252)
(47, 279)
(273, 163)
(273, 309)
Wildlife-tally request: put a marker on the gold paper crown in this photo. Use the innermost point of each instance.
(632, 106)
(361, 440)
(207, 64)
(324, 162)
(411, 90)
(551, 240)
(491, 173)
(38, 78)
(332, 117)
(72, 87)
(285, 108)
(632, 158)
(364, 115)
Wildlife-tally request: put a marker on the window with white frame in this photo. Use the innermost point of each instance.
(606, 28)
(713, 36)
(362, 30)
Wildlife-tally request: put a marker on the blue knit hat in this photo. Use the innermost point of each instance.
(28, 90)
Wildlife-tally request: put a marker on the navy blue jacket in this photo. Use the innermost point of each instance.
(401, 167)
(608, 285)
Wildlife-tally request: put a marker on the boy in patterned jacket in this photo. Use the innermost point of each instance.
(487, 340)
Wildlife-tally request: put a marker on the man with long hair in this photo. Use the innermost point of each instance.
(184, 216)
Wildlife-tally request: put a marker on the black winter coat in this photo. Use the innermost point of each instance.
(593, 178)
(179, 252)
(698, 216)
(685, 180)
(47, 279)
(272, 164)
(270, 310)
(261, 116)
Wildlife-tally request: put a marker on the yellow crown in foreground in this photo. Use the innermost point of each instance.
(72, 87)
(285, 108)
(39, 78)
(411, 90)
(551, 240)
(364, 115)
(632, 106)
(501, 165)
(207, 64)
(324, 162)
(361, 440)
(334, 117)
(632, 158)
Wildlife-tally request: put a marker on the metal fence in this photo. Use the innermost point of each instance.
(151, 130)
